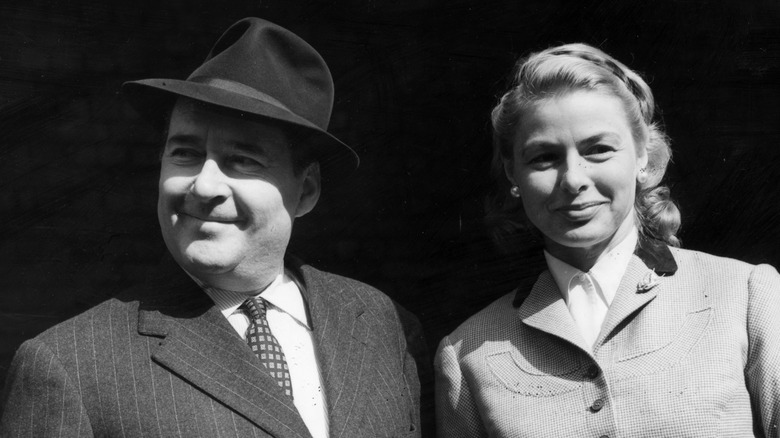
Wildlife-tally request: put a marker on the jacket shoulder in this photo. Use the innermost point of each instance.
(344, 287)
(479, 326)
(347, 290)
(88, 319)
(691, 260)
(731, 284)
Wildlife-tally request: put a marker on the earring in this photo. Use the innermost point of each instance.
(642, 177)
(515, 191)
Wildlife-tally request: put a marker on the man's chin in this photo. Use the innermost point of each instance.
(206, 264)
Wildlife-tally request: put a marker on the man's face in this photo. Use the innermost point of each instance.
(228, 196)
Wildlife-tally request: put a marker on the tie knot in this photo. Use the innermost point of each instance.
(256, 307)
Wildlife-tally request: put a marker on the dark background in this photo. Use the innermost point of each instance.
(415, 82)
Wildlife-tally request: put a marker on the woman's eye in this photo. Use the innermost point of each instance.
(600, 149)
(544, 158)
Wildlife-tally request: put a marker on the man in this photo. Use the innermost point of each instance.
(237, 340)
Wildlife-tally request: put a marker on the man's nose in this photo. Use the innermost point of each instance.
(210, 182)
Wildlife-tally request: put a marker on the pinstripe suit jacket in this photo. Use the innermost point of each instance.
(696, 355)
(162, 361)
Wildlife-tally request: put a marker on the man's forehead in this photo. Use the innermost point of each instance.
(193, 118)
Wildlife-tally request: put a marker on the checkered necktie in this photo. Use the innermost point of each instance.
(265, 345)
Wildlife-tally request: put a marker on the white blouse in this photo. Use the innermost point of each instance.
(588, 295)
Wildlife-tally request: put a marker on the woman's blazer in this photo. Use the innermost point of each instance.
(690, 347)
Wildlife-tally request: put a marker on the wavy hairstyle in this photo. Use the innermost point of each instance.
(565, 69)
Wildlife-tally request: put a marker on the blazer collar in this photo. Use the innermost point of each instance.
(544, 308)
(655, 254)
(342, 340)
(197, 343)
(294, 267)
(643, 281)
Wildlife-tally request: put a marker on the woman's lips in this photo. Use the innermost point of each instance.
(580, 211)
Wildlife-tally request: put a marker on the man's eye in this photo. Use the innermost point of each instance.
(184, 153)
(246, 163)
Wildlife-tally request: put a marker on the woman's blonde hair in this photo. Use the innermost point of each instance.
(564, 69)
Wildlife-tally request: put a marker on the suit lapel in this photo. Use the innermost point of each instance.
(545, 310)
(198, 344)
(341, 336)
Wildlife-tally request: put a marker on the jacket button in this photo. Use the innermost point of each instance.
(592, 372)
(597, 405)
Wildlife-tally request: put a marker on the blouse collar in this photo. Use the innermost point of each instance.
(606, 273)
(655, 254)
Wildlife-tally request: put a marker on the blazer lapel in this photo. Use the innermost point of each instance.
(341, 337)
(628, 298)
(198, 344)
(643, 280)
(545, 310)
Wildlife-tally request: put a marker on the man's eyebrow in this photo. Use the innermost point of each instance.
(187, 139)
(248, 148)
(240, 146)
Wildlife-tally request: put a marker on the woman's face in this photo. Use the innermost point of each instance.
(576, 164)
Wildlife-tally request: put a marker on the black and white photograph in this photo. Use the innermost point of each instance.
(335, 218)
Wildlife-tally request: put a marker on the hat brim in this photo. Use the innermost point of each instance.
(154, 98)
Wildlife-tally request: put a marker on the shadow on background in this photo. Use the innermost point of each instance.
(415, 82)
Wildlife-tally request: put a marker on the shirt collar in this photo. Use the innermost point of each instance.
(606, 273)
(283, 293)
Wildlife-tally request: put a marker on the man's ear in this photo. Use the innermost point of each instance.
(310, 189)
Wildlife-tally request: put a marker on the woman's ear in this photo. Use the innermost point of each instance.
(641, 166)
(310, 189)
(509, 170)
(642, 159)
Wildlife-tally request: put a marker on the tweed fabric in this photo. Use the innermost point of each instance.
(264, 344)
(695, 355)
(162, 361)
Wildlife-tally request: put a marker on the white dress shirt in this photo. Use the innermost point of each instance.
(588, 295)
(288, 320)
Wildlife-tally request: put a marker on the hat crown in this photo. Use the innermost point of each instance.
(267, 58)
(261, 69)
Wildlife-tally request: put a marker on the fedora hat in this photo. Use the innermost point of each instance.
(261, 69)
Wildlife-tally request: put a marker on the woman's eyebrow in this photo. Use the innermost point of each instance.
(602, 136)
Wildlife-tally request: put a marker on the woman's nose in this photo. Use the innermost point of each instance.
(210, 182)
(575, 177)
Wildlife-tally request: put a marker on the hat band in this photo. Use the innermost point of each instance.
(239, 88)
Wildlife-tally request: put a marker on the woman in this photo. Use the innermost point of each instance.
(625, 334)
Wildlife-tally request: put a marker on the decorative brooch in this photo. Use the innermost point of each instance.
(650, 280)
